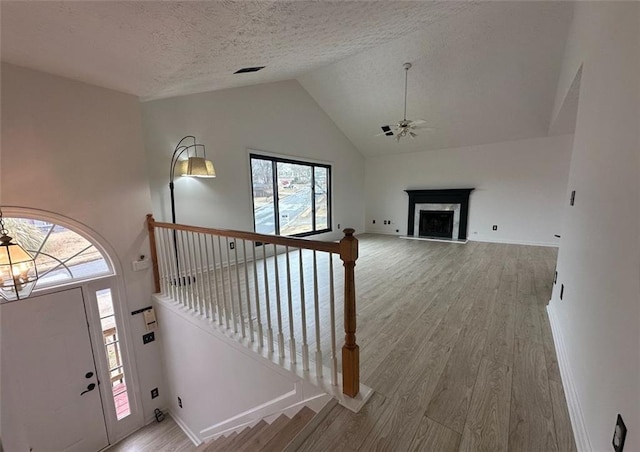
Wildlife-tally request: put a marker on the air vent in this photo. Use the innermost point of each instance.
(387, 131)
(249, 69)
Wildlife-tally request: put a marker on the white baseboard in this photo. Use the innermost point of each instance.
(187, 431)
(573, 402)
(512, 242)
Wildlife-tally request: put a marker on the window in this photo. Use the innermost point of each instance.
(61, 255)
(290, 197)
(114, 355)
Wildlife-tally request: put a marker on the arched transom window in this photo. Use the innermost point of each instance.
(62, 255)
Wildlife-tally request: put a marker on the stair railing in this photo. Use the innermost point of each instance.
(266, 289)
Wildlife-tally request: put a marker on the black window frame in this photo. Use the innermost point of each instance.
(276, 201)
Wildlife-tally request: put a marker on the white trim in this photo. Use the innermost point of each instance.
(187, 431)
(514, 242)
(580, 432)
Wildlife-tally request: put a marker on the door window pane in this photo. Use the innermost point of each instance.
(114, 355)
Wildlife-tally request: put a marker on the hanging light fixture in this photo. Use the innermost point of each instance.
(18, 272)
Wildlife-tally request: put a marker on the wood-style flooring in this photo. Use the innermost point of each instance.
(455, 341)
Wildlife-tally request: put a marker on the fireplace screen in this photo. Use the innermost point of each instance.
(436, 223)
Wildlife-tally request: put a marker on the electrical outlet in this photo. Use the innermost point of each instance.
(619, 435)
(149, 337)
(179, 402)
(154, 393)
(495, 227)
(374, 221)
(232, 245)
(338, 225)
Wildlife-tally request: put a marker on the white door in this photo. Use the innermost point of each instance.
(50, 398)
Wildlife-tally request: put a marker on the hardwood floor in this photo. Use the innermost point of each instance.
(165, 436)
(456, 342)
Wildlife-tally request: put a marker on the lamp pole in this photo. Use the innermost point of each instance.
(196, 167)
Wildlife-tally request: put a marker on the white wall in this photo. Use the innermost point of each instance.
(519, 186)
(598, 262)
(216, 381)
(275, 117)
(76, 150)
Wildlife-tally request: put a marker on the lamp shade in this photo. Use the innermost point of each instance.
(18, 273)
(197, 167)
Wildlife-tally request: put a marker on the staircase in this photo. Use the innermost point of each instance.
(277, 436)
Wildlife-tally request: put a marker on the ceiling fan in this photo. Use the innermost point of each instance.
(405, 127)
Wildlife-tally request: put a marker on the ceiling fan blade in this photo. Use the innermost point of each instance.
(425, 128)
(412, 135)
(384, 134)
(418, 122)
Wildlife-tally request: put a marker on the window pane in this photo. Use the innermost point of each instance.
(322, 197)
(114, 355)
(294, 196)
(263, 205)
(61, 255)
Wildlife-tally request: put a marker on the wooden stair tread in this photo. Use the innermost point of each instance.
(219, 443)
(290, 430)
(258, 442)
(245, 436)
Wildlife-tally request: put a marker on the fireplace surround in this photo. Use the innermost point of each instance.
(446, 200)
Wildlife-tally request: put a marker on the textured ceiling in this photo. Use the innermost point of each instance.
(160, 49)
(482, 72)
(485, 75)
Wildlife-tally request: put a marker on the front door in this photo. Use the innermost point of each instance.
(50, 398)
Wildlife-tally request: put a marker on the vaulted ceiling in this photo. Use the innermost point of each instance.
(482, 72)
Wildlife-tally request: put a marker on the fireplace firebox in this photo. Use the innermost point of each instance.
(436, 223)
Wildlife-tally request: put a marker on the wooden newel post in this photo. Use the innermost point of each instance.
(154, 253)
(350, 350)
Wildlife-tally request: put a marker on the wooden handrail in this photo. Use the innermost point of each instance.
(293, 242)
(154, 252)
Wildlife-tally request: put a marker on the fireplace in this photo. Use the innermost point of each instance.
(439, 213)
(436, 223)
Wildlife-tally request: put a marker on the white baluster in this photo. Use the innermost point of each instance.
(316, 306)
(268, 305)
(278, 304)
(292, 338)
(332, 307)
(210, 296)
(219, 306)
(240, 310)
(246, 284)
(231, 297)
(224, 287)
(257, 291)
(303, 311)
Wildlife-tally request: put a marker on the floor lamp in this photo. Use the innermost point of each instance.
(195, 165)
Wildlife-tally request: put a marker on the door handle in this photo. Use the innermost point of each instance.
(90, 388)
